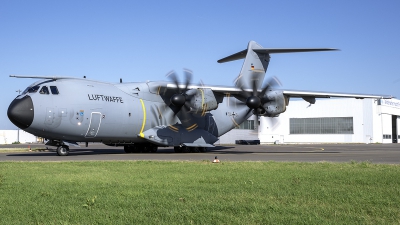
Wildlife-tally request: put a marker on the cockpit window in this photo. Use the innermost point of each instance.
(33, 89)
(44, 90)
(54, 90)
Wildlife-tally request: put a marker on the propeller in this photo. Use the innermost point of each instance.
(255, 100)
(180, 98)
(179, 102)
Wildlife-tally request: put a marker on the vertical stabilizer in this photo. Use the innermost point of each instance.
(254, 67)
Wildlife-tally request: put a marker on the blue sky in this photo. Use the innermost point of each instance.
(139, 41)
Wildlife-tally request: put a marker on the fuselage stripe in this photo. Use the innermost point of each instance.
(144, 119)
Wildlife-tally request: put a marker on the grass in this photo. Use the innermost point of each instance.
(153, 192)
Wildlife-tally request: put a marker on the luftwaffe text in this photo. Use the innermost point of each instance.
(105, 98)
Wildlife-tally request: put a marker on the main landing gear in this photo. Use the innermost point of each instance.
(62, 150)
(136, 148)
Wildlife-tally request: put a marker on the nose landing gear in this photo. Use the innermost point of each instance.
(62, 150)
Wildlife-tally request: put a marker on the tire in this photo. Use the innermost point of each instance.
(135, 148)
(153, 148)
(145, 148)
(140, 148)
(185, 149)
(62, 150)
(195, 149)
(203, 149)
(127, 149)
(177, 149)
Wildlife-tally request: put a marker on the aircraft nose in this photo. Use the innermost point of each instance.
(20, 112)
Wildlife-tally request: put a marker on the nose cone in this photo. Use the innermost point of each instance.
(20, 112)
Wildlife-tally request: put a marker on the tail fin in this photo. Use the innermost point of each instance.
(256, 62)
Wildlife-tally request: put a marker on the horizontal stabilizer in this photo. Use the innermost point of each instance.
(242, 54)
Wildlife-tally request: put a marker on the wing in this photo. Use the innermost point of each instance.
(321, 94)
(296, 93)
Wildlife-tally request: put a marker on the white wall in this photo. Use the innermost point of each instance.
(237, 134)
(368, 118)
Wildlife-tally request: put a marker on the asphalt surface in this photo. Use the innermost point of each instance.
(375, 153)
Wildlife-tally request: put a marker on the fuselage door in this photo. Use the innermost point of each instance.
(94, 125)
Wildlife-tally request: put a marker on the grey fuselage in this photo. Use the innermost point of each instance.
(92, 111)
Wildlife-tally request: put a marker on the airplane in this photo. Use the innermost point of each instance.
(142, 116)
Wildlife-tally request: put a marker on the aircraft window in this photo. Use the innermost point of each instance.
(44, 90)
(54, 90)
(33, 89)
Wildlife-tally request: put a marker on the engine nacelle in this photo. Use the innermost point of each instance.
(277, 103)
(203, 100)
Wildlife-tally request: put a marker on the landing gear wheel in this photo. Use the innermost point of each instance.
(62, 150)
(153, 148)
(139, 148)
(195, 149)
(127, 149)
(145, 148)
(177, 149)
(185, 149)
(202, 149)
(135, 149)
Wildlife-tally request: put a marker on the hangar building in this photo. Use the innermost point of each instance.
(344, 120)
(341, 120)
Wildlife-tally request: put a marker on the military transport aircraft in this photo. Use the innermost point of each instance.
(141, 116)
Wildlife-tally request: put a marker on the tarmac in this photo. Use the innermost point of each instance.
(374, 153)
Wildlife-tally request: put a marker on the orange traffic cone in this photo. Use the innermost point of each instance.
(216, 160)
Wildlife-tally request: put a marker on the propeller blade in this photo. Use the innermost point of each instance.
(271, 82)
(255, 92)
(188, 75)
(187, 106)
(172, 76)
(244, 93)
(264, 90)
(185, 116)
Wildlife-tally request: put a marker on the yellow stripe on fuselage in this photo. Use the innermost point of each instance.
(144, 119)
